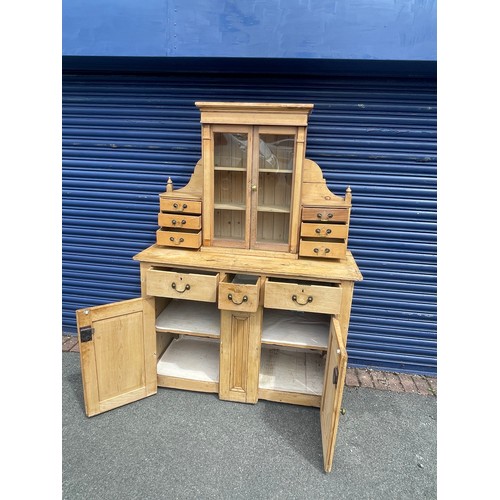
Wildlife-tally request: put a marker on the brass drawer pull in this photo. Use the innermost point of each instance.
(176, 206)
(326, 250)
(179, 242)
(230, 297)
(320, 215)
(187, 287)
(309, 299)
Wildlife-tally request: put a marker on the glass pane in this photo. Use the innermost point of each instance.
(229, 224)
(230, 150)
(276, 152)
(229, 204)
(276, 155)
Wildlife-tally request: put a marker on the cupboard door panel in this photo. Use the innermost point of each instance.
(333, 388)
(117, 354)
(240, 356)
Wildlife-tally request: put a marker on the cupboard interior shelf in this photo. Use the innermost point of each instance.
(275, 171)
(295, 329)
(278, 209)
(181, 317)
(191, 358)
(229, 206)
(291, 370)
(230, 169)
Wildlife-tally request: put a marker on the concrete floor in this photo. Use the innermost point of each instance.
(186, 445)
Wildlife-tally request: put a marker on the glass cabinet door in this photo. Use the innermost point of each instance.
(274, 176)
(230, 187)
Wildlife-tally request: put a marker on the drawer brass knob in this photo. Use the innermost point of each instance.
(174, 222)
(187, 287)
(309, 299)
(327, 250)
(318, 230)
(328, 231)
(330, 216)
(316, 250)
(320, 215)
(176, 205)
(183, 221)
(230, 297)
(254, 187)
(179, 242)
(184, 206)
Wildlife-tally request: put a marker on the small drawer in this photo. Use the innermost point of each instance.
(311, 230)
(179, 221)
(239, 292)
(181, 284)
(178, 239)
(325, 214)
(311, 297)
(323, 249)
(180, 206)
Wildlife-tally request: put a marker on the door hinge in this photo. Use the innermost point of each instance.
(86, 333)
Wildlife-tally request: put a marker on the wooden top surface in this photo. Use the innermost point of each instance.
(317, 269)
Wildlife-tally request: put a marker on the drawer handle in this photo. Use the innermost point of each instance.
(327, 250)
(330, 216)
(309, 299)
(179, 242)
(320, 215)
(230, 297)
(174, 222)
(176, 206)
(187, 287)
(328, 231)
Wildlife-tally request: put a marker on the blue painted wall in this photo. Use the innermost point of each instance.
(389, 30)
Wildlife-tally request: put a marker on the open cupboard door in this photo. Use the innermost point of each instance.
(117, 354)
(333, 388)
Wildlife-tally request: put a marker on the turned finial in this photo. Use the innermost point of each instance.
(348, 194)
(170, 185)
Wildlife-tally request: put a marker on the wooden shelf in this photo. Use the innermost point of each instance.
(277, 209)
(229, 206)
(290, 370)
(190, 318)
(275, 171)
(230, 169)
(295, 329)
(191, 358)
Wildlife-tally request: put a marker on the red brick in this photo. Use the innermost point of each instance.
(69, 344)
(364, 378)
(76, 347)
(407, 382)
(433, 383)
(379, 380)
(393, 383)
(422, 385)
(351, 379)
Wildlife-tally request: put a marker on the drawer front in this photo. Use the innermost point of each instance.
(311, 298)
(179, 221)
(178, 239)
(182, 285)
(311, 230)
(180, 206)
(325, 214)
(236, 297)
(323, 249)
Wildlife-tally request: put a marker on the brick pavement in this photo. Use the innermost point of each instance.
(355, 377)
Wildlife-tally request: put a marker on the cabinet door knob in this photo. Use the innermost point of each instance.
(254, 187)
